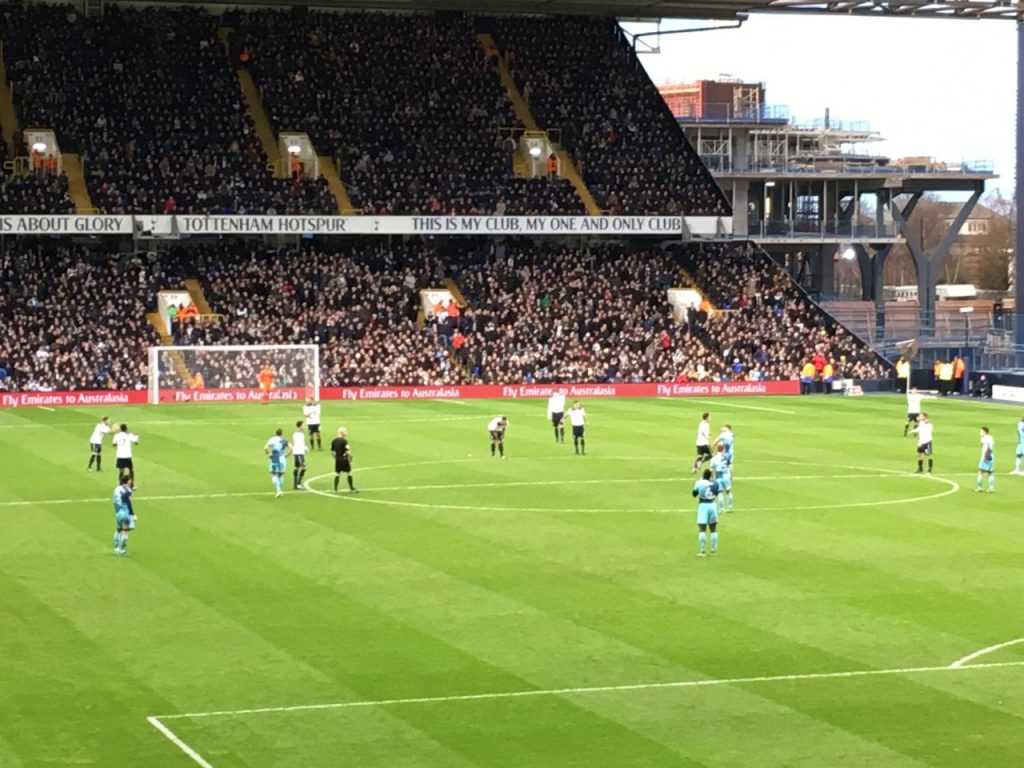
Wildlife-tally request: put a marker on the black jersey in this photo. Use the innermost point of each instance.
(339, 446)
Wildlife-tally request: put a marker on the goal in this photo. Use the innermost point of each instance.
(231, 373)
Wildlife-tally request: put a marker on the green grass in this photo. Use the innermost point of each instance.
(453, 574)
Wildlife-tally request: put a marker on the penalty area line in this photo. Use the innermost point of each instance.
(961, 662)
(594, 689)
(176, 741)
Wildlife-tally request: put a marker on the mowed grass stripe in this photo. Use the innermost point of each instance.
(348, 616)
(66, 676)
(223, 654)
(480, 624)
(900, 575)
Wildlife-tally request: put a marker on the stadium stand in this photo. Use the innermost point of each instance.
(409, 106)
(360, 303)
(580, 77)
(149, 101)
(72, 320)
(538, 311)
(768, 321)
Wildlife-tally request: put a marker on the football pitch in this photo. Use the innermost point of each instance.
(546, 609)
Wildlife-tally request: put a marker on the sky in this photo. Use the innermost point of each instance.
(941, 88)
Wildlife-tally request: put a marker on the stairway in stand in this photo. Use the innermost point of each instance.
(522, 112)
(71, 165)
(195, 290)
(78, 191)
(177, 359)
(336, 185)
(268, 139)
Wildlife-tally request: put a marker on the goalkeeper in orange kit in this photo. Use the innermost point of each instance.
(266, 380)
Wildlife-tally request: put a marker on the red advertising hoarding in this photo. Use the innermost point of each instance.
(412, 392)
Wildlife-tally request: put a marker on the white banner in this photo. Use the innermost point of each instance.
(174, 226)
(1008, 393)
(66, 225)
(671, 226)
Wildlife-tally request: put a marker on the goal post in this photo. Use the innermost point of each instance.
(233, 373)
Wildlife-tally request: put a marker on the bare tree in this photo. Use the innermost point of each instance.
(993, 250)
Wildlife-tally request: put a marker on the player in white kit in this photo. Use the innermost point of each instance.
(100, 431)
(924, 431)
(556, 412)
(299, 455)
(311, 411)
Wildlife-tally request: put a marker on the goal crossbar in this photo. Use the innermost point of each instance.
(231, 368)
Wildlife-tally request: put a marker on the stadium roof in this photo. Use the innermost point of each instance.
(696, 9)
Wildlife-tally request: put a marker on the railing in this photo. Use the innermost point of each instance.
(863, 165)
(725, 112)
(757, 227)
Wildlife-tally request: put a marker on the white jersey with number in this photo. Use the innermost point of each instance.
(496, 425)
(704, 432)
(98, 432)
(577, 417)
(312, 414)
(556, 404)
(299, 444)
(124, 442)
(924, 432)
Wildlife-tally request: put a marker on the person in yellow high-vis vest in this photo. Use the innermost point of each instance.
(807, 378)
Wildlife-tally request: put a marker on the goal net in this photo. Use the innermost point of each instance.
(230, 373)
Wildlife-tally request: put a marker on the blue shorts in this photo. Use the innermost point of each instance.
(124, 522)
(985, 466)
(723, 483)
(706, 513)
(728, 458)
(1020, 449)
(277, 468)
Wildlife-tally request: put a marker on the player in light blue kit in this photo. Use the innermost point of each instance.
(723, 478)
(987, 462)
(277, 451)
(1020, 448)
(705, 491)
(124, 515)
(727, 439)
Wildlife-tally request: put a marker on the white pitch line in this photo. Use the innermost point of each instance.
(960, 663)
(726, 403)
(591, 689)
(45, 408)
(173, 738)
(605, 481)
(954, 487)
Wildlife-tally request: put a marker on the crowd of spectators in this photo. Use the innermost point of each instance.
(766, 321)
(536, 311)
(150, 100)
(579, 76)
(409, 105)
(546, 312)
(360, 303)
(71, 319)
(30, 191)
